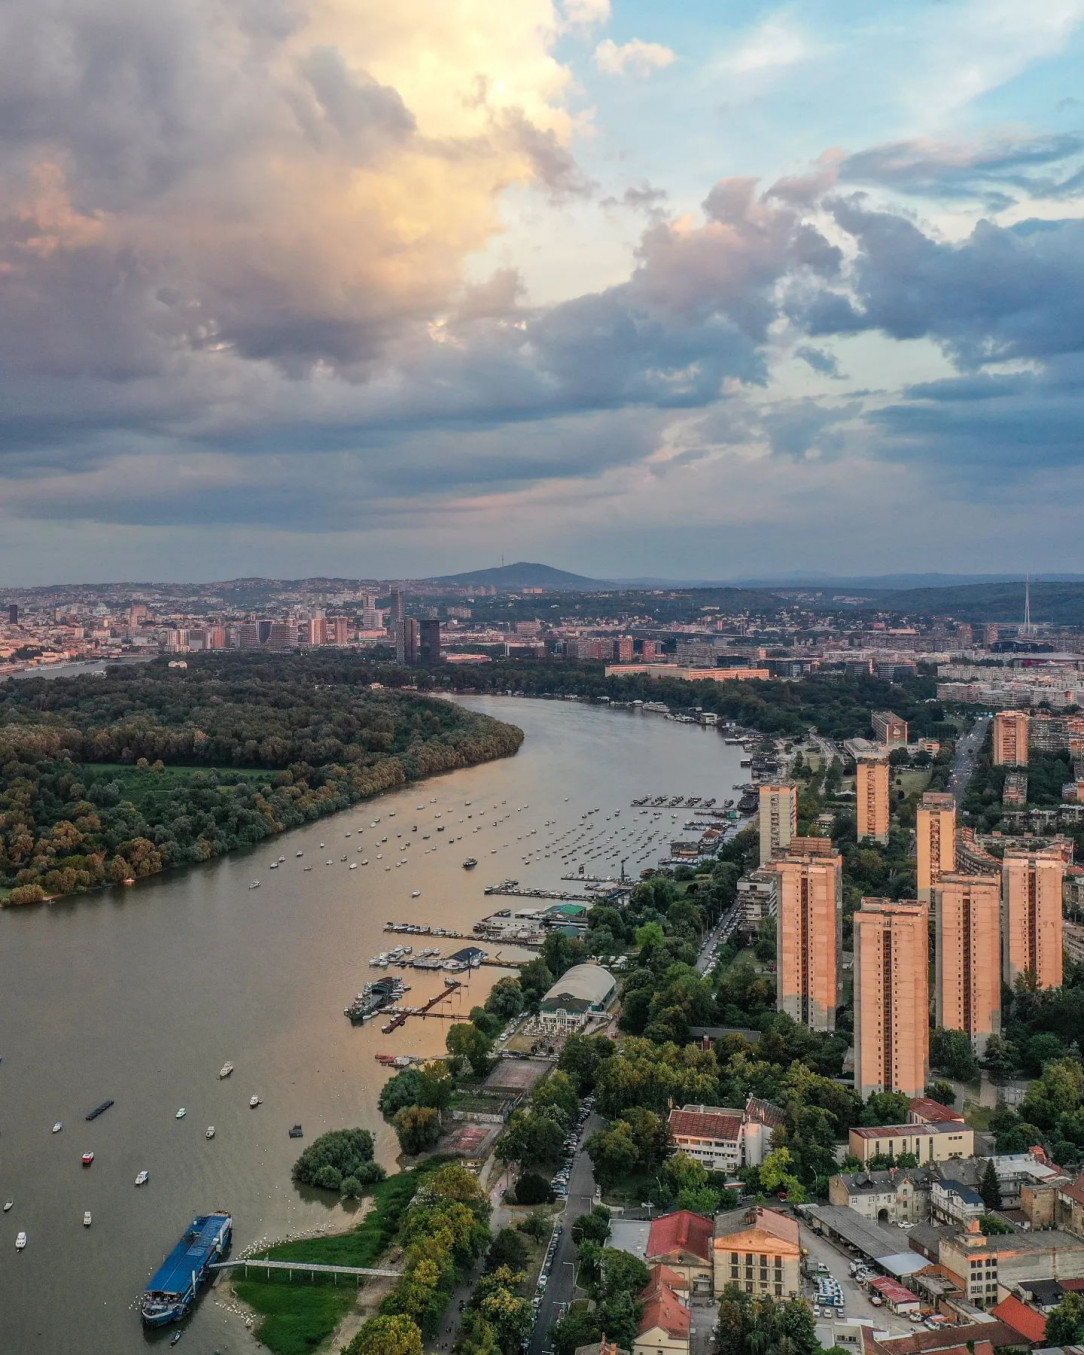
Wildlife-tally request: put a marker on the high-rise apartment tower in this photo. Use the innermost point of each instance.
(809, 917)
(1031, 916)
(1011, 738)
(778, 819)
(891, 996)
(872, 791)
(968, 955)
(935, 829)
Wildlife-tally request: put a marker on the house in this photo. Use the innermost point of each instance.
(925, 1110)
(953, 1202)
(666, 1323)
(582, 993)
(1027, 1321)
(893, 1195)
(723, 1139)
(681, 1242)
(897, 1296)
(928, 1142)
(758, 1249)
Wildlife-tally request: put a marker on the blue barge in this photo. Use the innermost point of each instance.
(174, 1286)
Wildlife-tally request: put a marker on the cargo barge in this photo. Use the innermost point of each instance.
(174, 1286)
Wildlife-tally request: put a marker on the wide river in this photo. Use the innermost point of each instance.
(142, 994)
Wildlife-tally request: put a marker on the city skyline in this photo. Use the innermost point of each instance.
(640, 291)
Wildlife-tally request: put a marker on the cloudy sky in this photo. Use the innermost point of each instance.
(707, 289)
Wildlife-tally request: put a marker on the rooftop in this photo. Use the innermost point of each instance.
(886, 1131)
(1026, 1320)
(682, 1231)
(585, 983)
(707, 1122)
(926, 1109)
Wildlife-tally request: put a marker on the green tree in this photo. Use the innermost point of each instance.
(387, 1336)
(885, 1108)
(505, 999)
(1065, 1325)
(434, 1085)
(532, 1189)
(990, 1187)
(575, 1329)
(399, 1091)
(418, 1128)
(580, 1059)
(613, 1153)
(467, 1042)
(507, 1249)
(776, 1175)
(951, 1053)
(593, 1226)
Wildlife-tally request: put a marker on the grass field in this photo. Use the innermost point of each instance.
(297, 1317)
(144, 787)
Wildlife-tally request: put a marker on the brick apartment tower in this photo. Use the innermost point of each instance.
(1011, 738)
(872, 790)
(809, 921)
(936, 832)
(891, 996)
(1031, 917)
(778, 819)
(967, 912)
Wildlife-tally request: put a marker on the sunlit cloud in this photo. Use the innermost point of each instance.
(632, 58)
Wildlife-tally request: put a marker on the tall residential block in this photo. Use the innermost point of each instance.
(778, 819)
(889, 729)
(809, 919)
(1031, 916)
(872, 791)
(1011, 738)
(936, 833)
(967, 955)
(891, 996)
(430, 641)
(407, 641)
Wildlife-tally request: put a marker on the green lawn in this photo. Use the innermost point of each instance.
(297, 1317)
(144, 787)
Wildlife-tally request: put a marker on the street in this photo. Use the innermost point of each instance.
(581, 1196)
(967, 751)
(855, 1297)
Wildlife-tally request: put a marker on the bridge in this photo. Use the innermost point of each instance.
(313, 1270)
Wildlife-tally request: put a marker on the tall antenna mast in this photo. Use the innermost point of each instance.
(1027, 604)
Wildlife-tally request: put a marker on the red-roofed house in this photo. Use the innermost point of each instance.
(710, 1135)
(682, 1242)
(925, 1110)
(666, 1323)
(1027, 1321)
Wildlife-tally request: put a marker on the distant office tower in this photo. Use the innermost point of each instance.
(778, 818)
(13, 613)
(338, 630)
(873, 805)
(1031, 916)
(936, 833)
(265, 631)
(808, 926)
(889, 729)
(397, 610)
(372, 618)
(216, 637)
(891, 996)
(1011, 738)
(281, 636)
(407, 641)
(968, 954)
(248, 635)
(429, 641)
(648, 650)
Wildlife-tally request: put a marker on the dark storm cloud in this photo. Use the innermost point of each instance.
(823, 363)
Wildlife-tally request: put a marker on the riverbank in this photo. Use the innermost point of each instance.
(124, 777)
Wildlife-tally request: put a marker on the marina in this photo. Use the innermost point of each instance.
(261, 977)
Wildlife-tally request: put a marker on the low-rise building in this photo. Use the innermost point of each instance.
(953, 1202)
(989, 1267)
(925, 1110)
(895, 1195)
(759, 1250)
(681, 1242)
(582, 993)
(724, 1139)
(928, 1142)
(666, 1323)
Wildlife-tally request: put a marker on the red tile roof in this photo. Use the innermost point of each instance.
(933, 1112)
(983, 1335)
(1026, 1320)
(662, 1275)
(705, 1125)
(663, 1308)
(683, 1231)
(897, 1131)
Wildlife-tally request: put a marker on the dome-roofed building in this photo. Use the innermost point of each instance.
(581, 994)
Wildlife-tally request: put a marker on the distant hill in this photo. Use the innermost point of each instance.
(522, 575)
(1060, 603)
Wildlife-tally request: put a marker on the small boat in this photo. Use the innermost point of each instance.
(353, 865)
(254, 885)
(8, 1205)
(58, 1126)
(469, 863)
(86, 1218)
(99, 1110)
(296, 1132)
(20, 1241)
(299, 853)
(282, 858)
(181, 1114)
(254, 1101)
(226, 1069)
(415, 893)
(210, 1132)
(142, 1178)
(88, 1158)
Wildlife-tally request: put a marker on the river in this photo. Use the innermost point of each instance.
(141, 994)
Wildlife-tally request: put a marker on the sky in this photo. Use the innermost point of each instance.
(708, 290)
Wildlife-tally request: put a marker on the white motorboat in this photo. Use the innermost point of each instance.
(86, 1218)
(210, 1132)
(226, 1069)
(181, 1114)
(143, 1177)
(254, 885)
(254, 1101)
(8, 1204)
(20, 1241)
(353, 865)
(415, 893)
(58, 1126)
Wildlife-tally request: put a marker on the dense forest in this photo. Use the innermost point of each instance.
(836, 705)
(109, 779)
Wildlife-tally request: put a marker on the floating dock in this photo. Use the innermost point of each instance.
(174, 1286)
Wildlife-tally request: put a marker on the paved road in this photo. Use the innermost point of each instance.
(856, 1298)
(967, 751)
(581, 1196)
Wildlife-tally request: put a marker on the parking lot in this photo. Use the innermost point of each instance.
(855, 1299)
